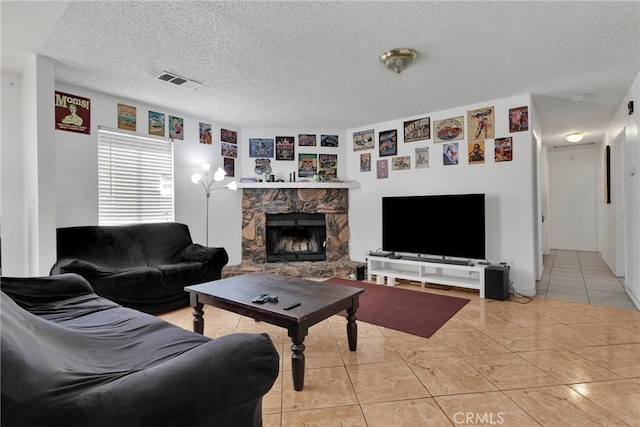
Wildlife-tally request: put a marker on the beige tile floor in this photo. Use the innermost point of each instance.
(580, 276)
(548, 362)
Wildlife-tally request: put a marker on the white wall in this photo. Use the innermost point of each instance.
(630, 125)
(76, 174)
(574, 181)
(13, 205)
(508, 187)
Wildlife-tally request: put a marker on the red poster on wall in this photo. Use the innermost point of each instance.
(73, 113)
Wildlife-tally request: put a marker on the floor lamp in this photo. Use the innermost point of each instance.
(208, 183)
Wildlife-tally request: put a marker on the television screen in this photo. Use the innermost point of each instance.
(444, 225)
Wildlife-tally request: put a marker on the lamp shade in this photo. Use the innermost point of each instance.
(219, 175)
(196, 178)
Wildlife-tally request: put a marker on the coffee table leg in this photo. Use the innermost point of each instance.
(352, 328)
(198, 313)
(297, 363)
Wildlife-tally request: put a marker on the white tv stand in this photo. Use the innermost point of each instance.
(425, 270)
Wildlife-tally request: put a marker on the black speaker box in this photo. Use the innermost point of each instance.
(496, 282)
(360, 272)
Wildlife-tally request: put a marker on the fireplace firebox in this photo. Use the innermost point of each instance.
(296, 237)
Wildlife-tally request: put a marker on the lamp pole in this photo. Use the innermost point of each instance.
(208, 185)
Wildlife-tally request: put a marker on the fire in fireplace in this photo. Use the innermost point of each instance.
(296, 237)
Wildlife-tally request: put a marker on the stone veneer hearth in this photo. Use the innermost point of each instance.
(258, 202)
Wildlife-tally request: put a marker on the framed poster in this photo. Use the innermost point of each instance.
(260, 147)
(476, 152)
(382, 169)
(72, 113)
(228, 136)
(481, 124)
(156, 123)
(176, 127)
(307, 165)
(329, 140)
(365, 162)
(328, 165)
(205, 133)
(363, 140)
(417, 130)
(450, 154)
(400, 163)
(518, 119)
(503, 150)
(305, 140)
(388, 143)
(127, 117)
(229, 166)
(448, 129)
(285, 148)
(228, 149)
(422, 158)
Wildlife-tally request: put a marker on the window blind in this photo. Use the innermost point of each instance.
(135, 179)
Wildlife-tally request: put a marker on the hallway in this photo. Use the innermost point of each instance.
(581, 277)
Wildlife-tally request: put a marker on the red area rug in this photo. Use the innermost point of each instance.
(413, 312)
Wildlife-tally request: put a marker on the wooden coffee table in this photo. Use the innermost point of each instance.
(318, 301)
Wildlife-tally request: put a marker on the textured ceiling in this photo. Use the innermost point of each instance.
(315, 64)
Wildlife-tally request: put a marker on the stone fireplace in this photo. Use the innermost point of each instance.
(331, 203)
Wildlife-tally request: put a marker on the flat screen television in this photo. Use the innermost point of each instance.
(439, 225)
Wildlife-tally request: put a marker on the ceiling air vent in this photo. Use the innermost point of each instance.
(569, 146)
(178, 81)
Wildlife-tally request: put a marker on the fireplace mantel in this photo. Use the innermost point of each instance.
(300, 184)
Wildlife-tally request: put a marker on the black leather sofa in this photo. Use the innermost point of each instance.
(71, 358)
(142, 266)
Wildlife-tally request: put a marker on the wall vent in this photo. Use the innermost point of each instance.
(178, 81)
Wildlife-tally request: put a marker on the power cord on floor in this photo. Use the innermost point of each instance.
(512, 292)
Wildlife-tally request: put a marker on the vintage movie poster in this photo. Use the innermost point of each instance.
(260, 147)
(448, 129)
(400, 163)
(365, 162)
(307, 165)
(328, 165)
(127, 118)
(518, 119)
(363, 140)
(481, 124)
(422, 158)
(450, 154)
(205, 133)
(382, 169)
(156, 123)
(476, 152)
(285, 148)
(388, 143)
(263, 166)
(417, 130)
(329, 140)
(228, 149)
(229, 166)
(305, 140)
(503, 150)
(176, 127)
(229, 136)
(72, 113)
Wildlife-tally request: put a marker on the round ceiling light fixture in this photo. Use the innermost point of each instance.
(398, 59)
(574, 137)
